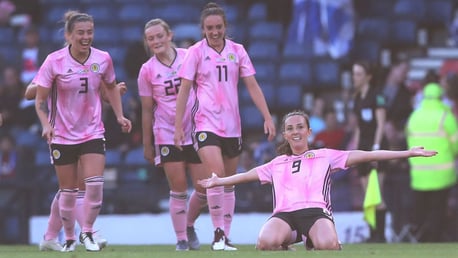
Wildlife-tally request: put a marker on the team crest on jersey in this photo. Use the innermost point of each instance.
(231, 57)
(165, 151)
(202, 137)
(95, 68)
(309, 155)
(56, 154)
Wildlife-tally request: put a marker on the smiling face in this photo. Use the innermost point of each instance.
(81, 37)
(158, 39)
(296, 133)
(214, 29)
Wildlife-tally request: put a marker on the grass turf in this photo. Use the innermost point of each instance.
(168, 251)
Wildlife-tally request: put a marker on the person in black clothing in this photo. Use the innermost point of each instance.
(369, 108)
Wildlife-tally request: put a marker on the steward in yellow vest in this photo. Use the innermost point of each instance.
(433, 126)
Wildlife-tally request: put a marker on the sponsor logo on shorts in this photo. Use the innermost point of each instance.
(165, 151)
(56, 154)
(202, 137)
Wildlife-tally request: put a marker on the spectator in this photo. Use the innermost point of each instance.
(333, 135)
(11, 89)
(433, 126)
(8, 157)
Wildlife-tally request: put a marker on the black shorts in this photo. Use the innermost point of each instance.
(170, 153)
(303, 220)
(230, 146)
(64, 154)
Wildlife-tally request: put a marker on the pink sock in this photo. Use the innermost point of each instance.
(67, 201)
(215, 206)
(79, 208)
(228, 208)
(54, 221)
(178, 213)
(196, 202)
(92, 201)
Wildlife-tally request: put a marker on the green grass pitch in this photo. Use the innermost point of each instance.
(168, 251)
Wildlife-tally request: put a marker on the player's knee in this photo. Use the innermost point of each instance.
(267, 244)
(326, 244)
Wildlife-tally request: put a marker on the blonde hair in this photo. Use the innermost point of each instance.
(151, 23)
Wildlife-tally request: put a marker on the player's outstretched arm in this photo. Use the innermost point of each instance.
(358, 156)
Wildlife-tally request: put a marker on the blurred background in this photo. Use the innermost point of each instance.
(302, 51)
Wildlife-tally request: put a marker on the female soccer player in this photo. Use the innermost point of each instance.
(158, 85)
(215, 64)
(301, 183)
(74, 128)
(50, 241)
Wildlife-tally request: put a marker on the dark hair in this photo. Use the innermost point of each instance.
(212, 9)
(284, 147)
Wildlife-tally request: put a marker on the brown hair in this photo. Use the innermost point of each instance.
(284, 147)
(212, 9)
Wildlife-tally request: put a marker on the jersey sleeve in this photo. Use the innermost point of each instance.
(109, 75)
(337, 158)
(45, 75)
(188, 69)
(144, 86)
(246, 66)
(265, 173)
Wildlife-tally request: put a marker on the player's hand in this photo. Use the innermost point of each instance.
(420, 151)
(269, 129)
(122, 88)
(178, 138)
(209, 182)
(48, 133)
(148, 153)
(126, 125)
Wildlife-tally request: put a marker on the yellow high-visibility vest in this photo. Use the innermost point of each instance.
(434, 127)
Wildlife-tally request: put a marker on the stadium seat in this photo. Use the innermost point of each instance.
(104, 34)
(410, 9)
(187, 30)
(327, 73)
(265, 70)
(117, 53)
(266, 31)
(295, 72)
(113, 157)
(176, 13)
(403, 32)
(264, 50)
(8, 36)
(251, 118)
(374, 29)
(257, 12)
(135, 157)
(366, 50)
(103, 14)
(439, 13)
(132, 32)
(134, 13)
(289, 96)
(294, 51)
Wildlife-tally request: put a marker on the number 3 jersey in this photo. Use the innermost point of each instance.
(216, 75)
(74, 104)
(161, 82)
(302, 181)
